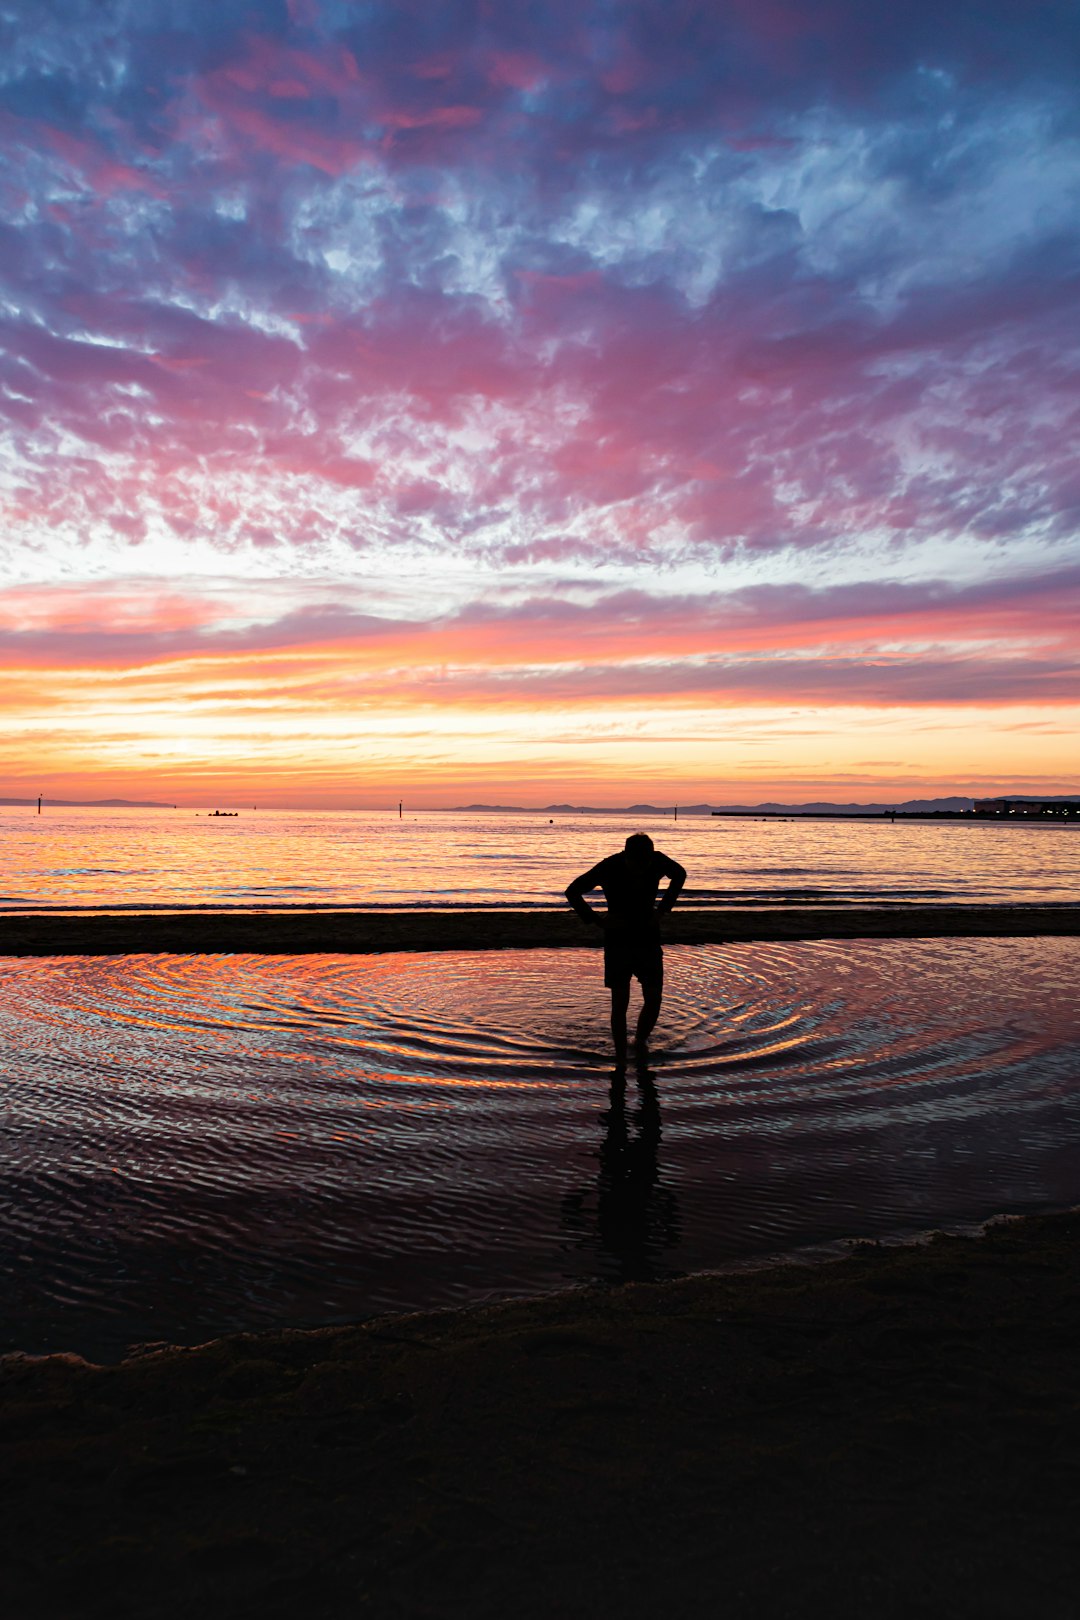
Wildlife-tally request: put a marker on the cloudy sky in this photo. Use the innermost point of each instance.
(514, 401)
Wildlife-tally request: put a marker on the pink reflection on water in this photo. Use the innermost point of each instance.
(198, 1143)
(113, 859)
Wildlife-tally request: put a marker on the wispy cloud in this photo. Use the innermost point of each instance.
(660, 351)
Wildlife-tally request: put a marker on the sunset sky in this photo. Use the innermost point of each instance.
(522, 402)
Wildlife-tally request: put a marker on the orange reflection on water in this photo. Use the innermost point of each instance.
(203, 1142)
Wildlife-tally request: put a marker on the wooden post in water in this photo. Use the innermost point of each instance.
(399, 809)
(39, 804)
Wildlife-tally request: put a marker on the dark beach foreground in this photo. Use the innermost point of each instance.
(896, 1433)
(287, 933)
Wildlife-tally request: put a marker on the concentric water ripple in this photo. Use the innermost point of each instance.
(197, 1144)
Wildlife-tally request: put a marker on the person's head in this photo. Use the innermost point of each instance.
(638, 848)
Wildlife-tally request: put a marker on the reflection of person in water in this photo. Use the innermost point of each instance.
(632, 950)
(635, 1217)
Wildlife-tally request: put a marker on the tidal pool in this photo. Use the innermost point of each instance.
(198, 1144)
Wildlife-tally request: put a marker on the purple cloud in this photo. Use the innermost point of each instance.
(612, 294)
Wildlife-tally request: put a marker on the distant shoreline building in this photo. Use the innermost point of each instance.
(1028, 809)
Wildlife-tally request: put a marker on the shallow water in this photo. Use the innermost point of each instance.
(113, 859)
(199, 1144)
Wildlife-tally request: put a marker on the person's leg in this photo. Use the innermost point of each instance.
(620, 1000)
(652, 994)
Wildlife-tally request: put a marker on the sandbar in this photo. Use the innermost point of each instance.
(298, 932)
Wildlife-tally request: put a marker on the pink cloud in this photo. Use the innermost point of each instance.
(439, 66)
(244, 92)
(179, 363)
(626, 73)
(347, 471)
(293, 143)
(850, 644)
(456, 117)
(516, 70)
(101, 172)
(267, 64)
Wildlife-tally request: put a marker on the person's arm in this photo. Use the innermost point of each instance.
(676, 876)
(576, 892)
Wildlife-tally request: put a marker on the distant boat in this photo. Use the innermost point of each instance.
(223, 812)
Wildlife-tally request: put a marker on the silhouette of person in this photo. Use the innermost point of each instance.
(630, 881)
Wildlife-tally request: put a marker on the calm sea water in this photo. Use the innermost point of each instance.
(199, 1144)
(174, 858)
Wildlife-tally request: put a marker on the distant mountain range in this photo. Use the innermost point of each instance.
(94, 804)
(816, 807)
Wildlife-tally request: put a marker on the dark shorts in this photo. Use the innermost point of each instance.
(627, 957)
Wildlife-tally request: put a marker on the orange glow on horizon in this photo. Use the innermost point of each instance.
(160, 696)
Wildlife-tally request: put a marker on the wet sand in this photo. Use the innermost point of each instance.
(291, 933)
(896, 1433)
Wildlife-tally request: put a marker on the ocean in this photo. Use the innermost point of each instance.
(177, 859)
